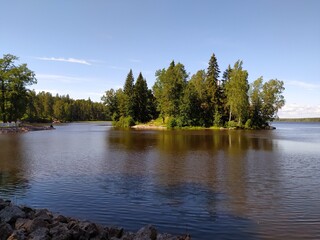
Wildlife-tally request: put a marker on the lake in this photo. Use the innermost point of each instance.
(209, 183)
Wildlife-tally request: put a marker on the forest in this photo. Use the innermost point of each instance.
(17, 102)
(176, 100)
(203, 100)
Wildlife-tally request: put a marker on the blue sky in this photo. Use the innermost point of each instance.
(84, 48)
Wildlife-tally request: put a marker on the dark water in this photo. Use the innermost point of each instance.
(211, 184)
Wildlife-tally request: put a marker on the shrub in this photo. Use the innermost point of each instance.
(171, 123)
(232, 124)
(248, 124)
(124, 122)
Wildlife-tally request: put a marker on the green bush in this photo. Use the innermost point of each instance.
(232, 124)
(124, 122)
(171, 123)
(248, 124)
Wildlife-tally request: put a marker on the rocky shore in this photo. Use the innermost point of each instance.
(24, 223)
(22, 129)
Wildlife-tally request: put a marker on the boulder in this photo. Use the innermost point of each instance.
(147, 233)
(60, 232)
(11, 213)
(5, 231)
(41, 233)
(17, 235)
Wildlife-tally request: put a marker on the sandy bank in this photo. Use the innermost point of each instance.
(151, 127)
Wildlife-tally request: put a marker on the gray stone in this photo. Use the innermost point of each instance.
(44, 214)
(30, 225)
(17, 235)
(146, 233)
(89, 228)
(166, 236)
(60, 218)
(10, 214)
(60, 232)
(41, 233)
(5, 230)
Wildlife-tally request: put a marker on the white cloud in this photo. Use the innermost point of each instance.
(69, 60)
(299, 111)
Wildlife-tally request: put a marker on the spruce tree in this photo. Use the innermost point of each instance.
(140, 100)
(212, 86)
(128, 89)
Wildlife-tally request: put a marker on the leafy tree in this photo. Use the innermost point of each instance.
(237, 93)
(272, 99)
(199, 102)
(110, 100)
(256, 102)
(14, 80)
(191, 106)
(168, 89)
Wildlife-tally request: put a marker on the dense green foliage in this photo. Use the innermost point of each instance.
(43, 107)
(204, 100)
(135, 103)
(13, 92)
(19, 103)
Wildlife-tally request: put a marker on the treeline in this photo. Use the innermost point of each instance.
(204, 99)
(298, 120)
(44, 107)
(17, 102)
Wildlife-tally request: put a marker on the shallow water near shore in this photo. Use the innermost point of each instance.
(226, 184)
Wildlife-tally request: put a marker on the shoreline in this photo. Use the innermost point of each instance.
(19, 222)
(24, 129)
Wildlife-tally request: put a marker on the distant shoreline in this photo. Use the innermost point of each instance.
(297, 120)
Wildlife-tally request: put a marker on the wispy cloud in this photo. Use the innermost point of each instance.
(69, 60)
(61, 78)
(304, 85)
(134, 60)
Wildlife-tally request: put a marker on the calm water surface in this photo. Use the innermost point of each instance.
(222, 184)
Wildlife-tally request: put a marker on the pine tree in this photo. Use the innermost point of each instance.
(140, 100)
(128, 89)
(212, 86)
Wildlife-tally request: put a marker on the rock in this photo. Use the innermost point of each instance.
(115, 232)
(60, 218)
(89, 228)
(41, 233)
(3, 204)
(41, 224)
(166, 236)
(5, 231)
(44, 214)
(146, 233)
(28, 211)
(60, 232)
(17, 235)
(10, 213)
(22, 223)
